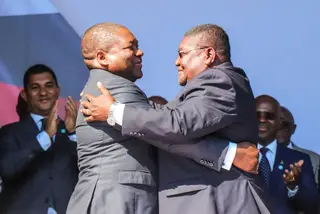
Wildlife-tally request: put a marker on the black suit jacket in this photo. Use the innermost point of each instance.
(31, 175)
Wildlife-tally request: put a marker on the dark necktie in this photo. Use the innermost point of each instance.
(43, 125)
(264, 168)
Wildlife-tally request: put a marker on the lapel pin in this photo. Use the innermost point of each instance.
(280, 167)
(63, 131)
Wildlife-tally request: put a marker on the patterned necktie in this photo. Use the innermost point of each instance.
(264, 168)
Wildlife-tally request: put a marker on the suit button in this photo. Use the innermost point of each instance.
(201, 161)
(130, 133)
(142, 134)
(211, 164)
(50, 177)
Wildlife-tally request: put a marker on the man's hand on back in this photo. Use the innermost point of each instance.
(247, 157)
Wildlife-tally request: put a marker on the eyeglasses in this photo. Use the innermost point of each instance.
(183, 53)
(266, 115)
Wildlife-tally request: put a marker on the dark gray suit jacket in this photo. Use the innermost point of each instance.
(32, 176)
(121, 168)
(218, 102)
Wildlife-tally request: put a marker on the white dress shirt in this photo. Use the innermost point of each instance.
(232, 148)
(271, 156)
(45, 143)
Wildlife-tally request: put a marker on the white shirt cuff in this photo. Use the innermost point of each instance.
(118, 113)
(292, 193)
(231, 153)
(73, 137)
(44, 140)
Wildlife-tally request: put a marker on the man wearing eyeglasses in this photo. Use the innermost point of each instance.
(286, 130)
(286, 174)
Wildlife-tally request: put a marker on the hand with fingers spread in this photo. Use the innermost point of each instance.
(97, 108)
(247, 157)
(52, 121)
(291, 178)
(71, 115)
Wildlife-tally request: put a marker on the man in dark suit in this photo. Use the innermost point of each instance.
(216, 101)
(121, 169)
(286, 130)
(38, 153)
(287, 174)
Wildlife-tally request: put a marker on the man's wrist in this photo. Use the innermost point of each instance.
(231, 153)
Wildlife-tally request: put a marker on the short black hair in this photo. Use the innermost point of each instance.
(213, 36)
(38, 69)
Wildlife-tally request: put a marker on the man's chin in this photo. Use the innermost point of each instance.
(182, 81)
(137, 75)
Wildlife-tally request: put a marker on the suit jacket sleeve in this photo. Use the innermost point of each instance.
(208, 151)
(208, 105)
(307, 197)
(17, 157)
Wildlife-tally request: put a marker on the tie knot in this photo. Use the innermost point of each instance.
(264, 150)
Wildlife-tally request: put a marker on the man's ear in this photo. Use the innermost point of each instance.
(24, 95)
(210, 56)
(294, 126)
(102, 58)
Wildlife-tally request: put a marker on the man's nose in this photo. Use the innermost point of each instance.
(139, 53)
(43, 91)
(262, 119)
(177, 62)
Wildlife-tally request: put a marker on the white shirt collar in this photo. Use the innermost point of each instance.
(36, 117)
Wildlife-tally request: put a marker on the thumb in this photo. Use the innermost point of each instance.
(102, 89)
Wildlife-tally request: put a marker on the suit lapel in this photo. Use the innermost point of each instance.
(278, 169)
(30, 126)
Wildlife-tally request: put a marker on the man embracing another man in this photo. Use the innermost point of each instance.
(207, 161)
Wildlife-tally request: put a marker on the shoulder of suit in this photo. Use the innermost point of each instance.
(299, 154)
(212, 75)
(309, 152)
(11, 125)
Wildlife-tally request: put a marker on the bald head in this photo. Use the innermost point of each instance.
(99, 37)
(286, 115)
(268, 112)
(287, 126)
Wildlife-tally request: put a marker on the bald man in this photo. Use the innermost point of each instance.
(117, 174)
(286, 130)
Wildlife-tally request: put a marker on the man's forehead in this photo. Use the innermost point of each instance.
(188, 42)
(266, 105)
(127, 36)
(285, 115)
(41, 78)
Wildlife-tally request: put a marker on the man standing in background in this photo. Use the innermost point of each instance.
(285, 132)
